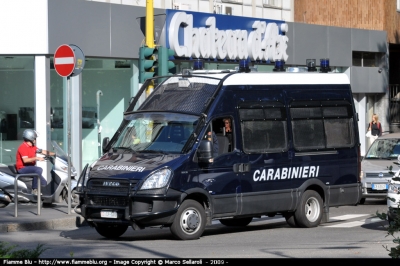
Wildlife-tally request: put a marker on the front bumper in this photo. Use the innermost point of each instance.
(368, 190)
(149, 209)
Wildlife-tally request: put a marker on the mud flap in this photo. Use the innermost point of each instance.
(208, 215)
(325, 215)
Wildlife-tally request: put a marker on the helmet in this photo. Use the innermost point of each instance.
(29, 134)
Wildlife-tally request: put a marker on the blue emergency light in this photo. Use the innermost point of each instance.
(244, 66)
(311, 65)
(279, 66)
(324, 65)
(198, 64)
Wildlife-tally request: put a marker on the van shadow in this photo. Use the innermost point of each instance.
(151, 234)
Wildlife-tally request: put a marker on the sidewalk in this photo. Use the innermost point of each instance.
(51, 217)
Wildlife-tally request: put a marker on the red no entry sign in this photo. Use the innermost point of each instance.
(64, 60)
(68, 60)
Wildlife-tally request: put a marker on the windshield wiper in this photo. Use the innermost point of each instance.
(124, 148)
(155, 151)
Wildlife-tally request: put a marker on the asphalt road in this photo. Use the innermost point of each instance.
(353, 232)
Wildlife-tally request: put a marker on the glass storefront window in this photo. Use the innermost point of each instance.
(16, 113)
(113, 78)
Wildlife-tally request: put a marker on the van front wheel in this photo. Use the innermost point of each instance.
(189, 221)
(309, 212)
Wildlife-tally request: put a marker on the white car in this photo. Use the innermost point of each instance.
(393, 192)
(375, 175)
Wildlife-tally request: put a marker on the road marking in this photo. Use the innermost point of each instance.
(265, 220)
(340, 221)
(355, 223)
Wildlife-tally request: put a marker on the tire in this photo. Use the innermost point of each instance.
(236, 222)
(290, 220)
(309, 212)
(74, 198)
(362, 201)
(189, 221)
(4, 204)
(111, 230)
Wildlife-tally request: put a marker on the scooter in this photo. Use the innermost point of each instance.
(55, 191)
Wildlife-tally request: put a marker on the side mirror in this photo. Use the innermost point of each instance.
(204, 152)
(106, 140)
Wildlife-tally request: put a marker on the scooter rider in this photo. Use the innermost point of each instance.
(26, 158)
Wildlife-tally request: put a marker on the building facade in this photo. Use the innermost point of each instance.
(109, 33)
(381, 15)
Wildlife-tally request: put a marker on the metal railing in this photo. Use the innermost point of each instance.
(394, 105)
(39, 194)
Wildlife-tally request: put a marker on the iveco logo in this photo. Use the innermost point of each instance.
(380, 174)
(111, 184)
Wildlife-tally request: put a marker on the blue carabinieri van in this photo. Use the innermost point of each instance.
(293, 150)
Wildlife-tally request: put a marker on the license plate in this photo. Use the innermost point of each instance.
(108, 214)
(379, 186)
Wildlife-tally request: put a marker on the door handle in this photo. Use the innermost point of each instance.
(241, 167)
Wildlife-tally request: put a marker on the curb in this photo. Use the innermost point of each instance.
(43, 225)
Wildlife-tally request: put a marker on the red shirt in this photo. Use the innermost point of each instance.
(25, 150)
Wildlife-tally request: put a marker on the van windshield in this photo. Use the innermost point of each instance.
(156, 132)
(384, 148)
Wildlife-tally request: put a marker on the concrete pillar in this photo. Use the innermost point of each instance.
(360, 101)
(42, 108)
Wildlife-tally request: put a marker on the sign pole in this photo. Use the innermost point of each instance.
(69, 141)
(69, 61)
(98, 94)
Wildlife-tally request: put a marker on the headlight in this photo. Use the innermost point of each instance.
(158, 179)
(393, 189)
(361, 174)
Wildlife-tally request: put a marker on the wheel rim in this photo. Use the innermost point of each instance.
(190, 221)
(312, 209)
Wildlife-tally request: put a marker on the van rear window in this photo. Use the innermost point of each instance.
(324, 125)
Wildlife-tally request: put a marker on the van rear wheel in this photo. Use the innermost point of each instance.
(111, 230)
(236, 221)
(190, 221)
(309, 212)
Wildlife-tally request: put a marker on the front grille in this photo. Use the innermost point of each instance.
(370, 191)
(120, 187)
(108, 201)
(376, 175)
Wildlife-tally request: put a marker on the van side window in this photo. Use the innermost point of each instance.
(263, 126)
(222, 135)
(321, 125)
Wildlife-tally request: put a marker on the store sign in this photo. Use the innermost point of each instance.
(201, 35)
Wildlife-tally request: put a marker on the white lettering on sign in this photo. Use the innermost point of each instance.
(285, 173)
(64, 60)
(263, 42)
(121, 168)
